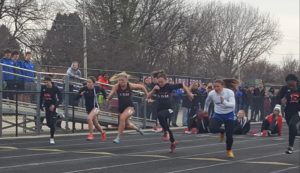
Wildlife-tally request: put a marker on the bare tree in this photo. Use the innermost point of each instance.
(240, 34)
(262, 69)
(290, 65)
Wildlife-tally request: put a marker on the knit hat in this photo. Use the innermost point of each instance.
(278, 108)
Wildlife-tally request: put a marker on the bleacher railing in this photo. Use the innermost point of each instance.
(62, 80)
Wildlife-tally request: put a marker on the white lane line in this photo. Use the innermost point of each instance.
(229, 163)
(50, 162)
(272, 163)
(207, 159)
(287, 169)
(157, 160)
(7, 148)
(151, 156)
(101, 148)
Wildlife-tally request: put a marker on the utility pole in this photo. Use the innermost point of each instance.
(84, 41)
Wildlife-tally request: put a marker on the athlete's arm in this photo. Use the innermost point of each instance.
(188, 92)
(150, 94)
(207, 102)
(138, 87)
(231, 102)
(112, 92)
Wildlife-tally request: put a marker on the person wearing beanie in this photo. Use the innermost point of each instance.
(289, 96)
(273, 123)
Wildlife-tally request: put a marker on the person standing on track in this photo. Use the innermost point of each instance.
(50, 98)
(224, 107)
(163, 91)
(123, 89)
(90, 93)
(289, 96)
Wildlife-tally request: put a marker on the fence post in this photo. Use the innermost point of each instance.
(67, 89)
(1, 90)
(145, 113)
(17, 114)
(73, 119)
(38, 100)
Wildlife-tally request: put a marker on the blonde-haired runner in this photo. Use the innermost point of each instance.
(123, 88)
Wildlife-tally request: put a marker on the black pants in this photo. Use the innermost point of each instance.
(292, 118)
(154, 111)
(214, 127)
(51, 118)
(10, 85)
(164, 117)
(267, 126)
(193, 111)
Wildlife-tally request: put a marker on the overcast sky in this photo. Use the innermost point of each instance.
(287, 13)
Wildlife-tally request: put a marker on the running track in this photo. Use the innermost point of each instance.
(148, 153)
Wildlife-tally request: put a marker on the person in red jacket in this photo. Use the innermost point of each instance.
(273, 123)
(103, 79)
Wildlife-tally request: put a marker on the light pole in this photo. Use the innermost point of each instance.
(84, 41)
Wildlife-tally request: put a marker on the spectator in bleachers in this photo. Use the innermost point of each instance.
(8, 79)
(104, 79)
(29, 84)
(19, 80)
(74, 75)
(241, 125)
(73, 72)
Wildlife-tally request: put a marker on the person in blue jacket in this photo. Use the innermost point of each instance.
(19, 80)
(29, 81)
(8, 79)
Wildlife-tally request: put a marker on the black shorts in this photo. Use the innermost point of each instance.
(123, 107)
(89, 110)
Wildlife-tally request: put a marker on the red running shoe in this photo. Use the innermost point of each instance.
(103, 136)
(90, 137)
(166, 136)
(173, 147)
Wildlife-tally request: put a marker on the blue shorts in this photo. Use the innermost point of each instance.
(224, 117)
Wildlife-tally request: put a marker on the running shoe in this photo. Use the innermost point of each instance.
(158, 130)
(103, 136)
(90, 137)
(221, 137)
(52, 141)
(173, 147)
(187, 132)
(117, 140)
(194, 130)
(166, 136)
(264, 133)
(230, 154)
(289, 150)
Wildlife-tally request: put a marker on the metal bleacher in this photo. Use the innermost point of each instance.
(29, 111)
